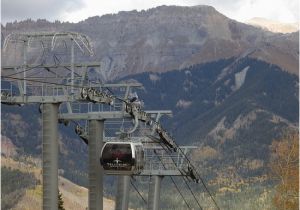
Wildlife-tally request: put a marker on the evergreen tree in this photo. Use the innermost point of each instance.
(60, 201)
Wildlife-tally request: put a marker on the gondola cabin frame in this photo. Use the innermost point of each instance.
(122, 158)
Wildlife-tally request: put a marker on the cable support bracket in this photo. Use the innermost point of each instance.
(81, 132)
(96, 96)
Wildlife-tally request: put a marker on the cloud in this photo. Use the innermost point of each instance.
(38, 9)
(280, 10)
(100, 7)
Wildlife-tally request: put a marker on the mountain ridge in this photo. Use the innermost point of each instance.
(273, 26)
(170, 37)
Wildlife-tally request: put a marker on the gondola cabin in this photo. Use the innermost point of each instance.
(122, 158)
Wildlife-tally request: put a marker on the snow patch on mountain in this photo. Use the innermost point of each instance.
(240, 78)
(154, 77)
(183, 104)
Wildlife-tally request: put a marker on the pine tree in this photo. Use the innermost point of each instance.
(60, 201)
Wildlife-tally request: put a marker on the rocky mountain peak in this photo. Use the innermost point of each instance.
(169, 37)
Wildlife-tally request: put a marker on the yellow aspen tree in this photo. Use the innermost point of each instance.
(284, 165)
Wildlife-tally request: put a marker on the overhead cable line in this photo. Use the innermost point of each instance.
(59, 84)
(183, 175)
(201, 179)
(177, 188)
(25, 70)
(198, 175)
(141, 196)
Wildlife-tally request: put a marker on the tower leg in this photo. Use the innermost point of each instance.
(122, 198)
(154, 194)
(96, 128)
(50, 156)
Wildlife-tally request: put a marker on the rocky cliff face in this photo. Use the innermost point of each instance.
(171, 37)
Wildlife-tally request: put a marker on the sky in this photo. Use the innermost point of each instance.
(76, 10)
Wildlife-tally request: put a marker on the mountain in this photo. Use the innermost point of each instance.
(232, 109)
(21, 127)
(232, 87)
(28, 194)
(171, 37)
(274, 26)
